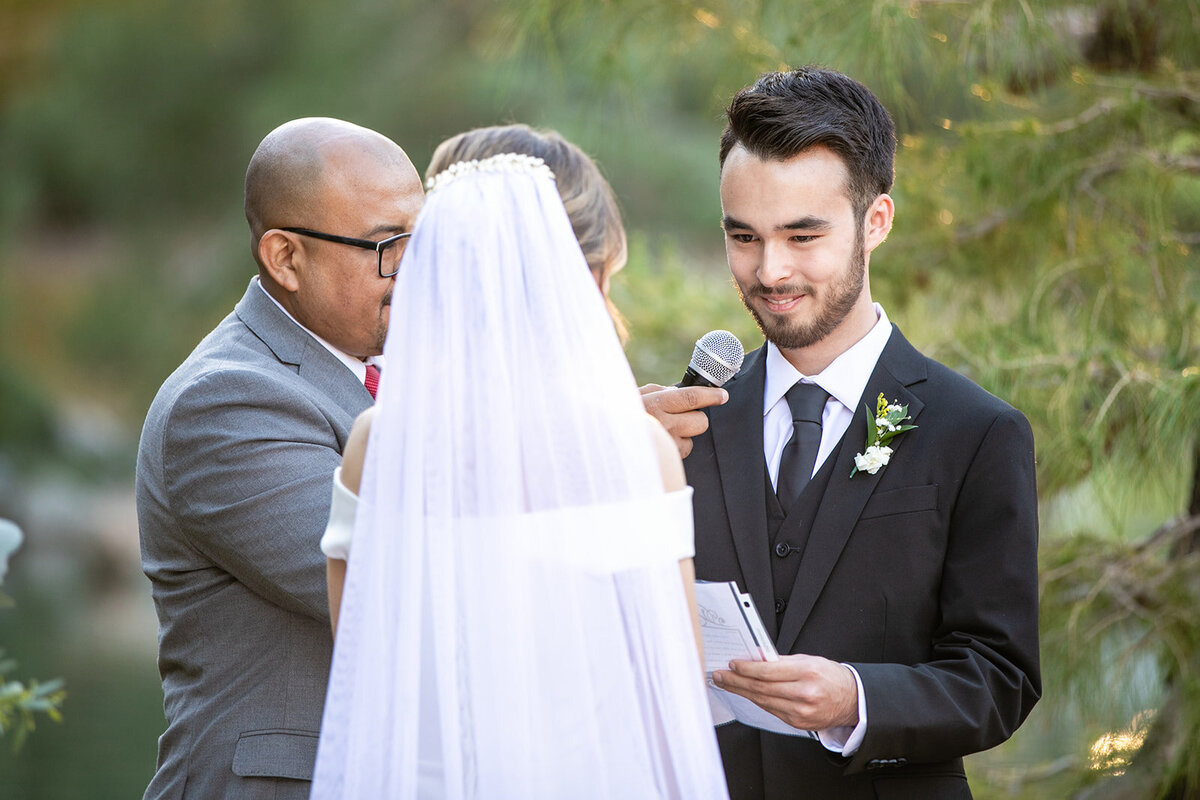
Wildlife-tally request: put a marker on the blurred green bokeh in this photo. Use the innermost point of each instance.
(1048, 195)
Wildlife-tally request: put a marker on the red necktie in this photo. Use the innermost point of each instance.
(372, 379)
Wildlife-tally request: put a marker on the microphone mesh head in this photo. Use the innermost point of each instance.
(718, 356)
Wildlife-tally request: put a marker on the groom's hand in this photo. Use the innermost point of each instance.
(806, 692)
(678, 410)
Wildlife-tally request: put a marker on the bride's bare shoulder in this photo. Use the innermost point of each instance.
(669, 463)
(356, 449)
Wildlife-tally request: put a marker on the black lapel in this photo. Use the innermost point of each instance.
(737, 432)
(900, 366)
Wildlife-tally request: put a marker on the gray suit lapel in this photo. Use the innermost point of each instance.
(737, 431)
(899, 367)
(292, 345)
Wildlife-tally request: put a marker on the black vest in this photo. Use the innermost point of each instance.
(789, 530)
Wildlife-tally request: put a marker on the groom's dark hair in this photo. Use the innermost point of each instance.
(784, 113)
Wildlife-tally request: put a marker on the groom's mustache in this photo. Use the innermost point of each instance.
(758, 290)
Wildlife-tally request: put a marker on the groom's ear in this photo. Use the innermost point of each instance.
(877, 223)
(278, 252)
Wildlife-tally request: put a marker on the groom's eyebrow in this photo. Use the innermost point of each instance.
(809, 223)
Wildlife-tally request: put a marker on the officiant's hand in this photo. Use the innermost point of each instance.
(678, 410)
(807, 692)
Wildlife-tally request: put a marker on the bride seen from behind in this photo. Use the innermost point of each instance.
(595, 219)
(513, 621)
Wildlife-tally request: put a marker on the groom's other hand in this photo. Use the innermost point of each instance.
(806, 692)
(678, 410)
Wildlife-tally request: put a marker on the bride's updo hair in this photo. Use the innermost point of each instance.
(589, 200)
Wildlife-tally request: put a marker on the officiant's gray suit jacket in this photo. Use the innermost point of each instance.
(233, 492)
(922, 576)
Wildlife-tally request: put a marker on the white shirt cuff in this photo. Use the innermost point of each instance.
(844, 739)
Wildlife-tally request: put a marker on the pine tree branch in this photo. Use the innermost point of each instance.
(1126, 378)
(1105, 164)
(1039, 128)
(1103, 108)
(1173, 163)
(1096, 168)
(1171, 534)
(1184, 99)
(988, 224)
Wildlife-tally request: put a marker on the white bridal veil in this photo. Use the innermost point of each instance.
(514, 623)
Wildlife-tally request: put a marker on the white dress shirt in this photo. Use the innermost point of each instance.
(355, 365)
(845, 379)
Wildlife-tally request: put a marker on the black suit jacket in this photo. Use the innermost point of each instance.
(922, 576)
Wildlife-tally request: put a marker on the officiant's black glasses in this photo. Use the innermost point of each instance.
(389, 250)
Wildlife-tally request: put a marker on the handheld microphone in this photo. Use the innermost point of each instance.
(717, 358)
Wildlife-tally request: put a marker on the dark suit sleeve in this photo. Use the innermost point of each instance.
(248, 459)
(982, 677)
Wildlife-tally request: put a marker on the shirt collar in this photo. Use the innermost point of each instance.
(358, 367)
(844, 379)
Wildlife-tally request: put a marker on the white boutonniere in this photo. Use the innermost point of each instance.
(884, 425)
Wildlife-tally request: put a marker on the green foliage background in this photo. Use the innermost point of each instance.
(1048, 196)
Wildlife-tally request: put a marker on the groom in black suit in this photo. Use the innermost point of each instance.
(898, 578)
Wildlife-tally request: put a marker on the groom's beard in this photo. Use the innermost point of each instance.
(833, 305)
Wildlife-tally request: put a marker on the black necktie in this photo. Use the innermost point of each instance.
(807, 402)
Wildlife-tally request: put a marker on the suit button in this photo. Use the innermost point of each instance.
(782, 550)
(780, 605)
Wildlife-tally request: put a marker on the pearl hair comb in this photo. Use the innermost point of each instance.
(503, 162)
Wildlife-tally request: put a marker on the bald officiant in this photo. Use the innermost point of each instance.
(237, 454)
